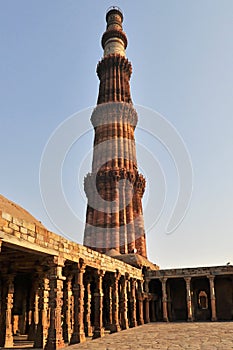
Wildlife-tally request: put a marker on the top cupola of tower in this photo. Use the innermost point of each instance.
(114, 40)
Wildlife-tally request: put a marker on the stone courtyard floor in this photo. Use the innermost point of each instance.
(164, 336)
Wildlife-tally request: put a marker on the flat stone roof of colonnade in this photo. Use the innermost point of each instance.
(191, 272)
(21, 230)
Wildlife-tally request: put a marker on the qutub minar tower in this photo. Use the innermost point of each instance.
(114, 188)
(55, 292)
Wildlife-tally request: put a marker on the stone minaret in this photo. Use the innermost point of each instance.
(114, 188)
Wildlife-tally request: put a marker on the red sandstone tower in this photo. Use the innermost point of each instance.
(114, 188)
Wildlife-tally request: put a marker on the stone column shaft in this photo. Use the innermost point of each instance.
(133, 321)
(115, 327)
(43, 310)
(212, 298)
(9, 306)
(147, 303)
(189, 299)
(78, 335)
(88, 326)
(69, 309)
(124, 304)
(55, 332)
(164, 299)
(34, 310)
(98, 295)
(140, 303)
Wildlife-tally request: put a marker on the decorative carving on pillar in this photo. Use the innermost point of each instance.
(147, 302)
(164, 298)
(115, 327)
(87, 308)
(9, 306)
(68, 309)
(78, 335)
(43, 309)
(212, 298)
(132, 300)
(107, 286)
(55, 333)
(189, 299)
(34, 309)
(98, 295)
(124, 302)
(140, 303)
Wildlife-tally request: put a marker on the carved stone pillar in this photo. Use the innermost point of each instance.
(98, 295)
(68, 309)
(43, 310)
(164, 299)
(124, 303)
(34, 309)
(133, 320)
(108, 304)
(9, 306)
(87, 322)
(78, 335)
(140, 303)
(189, 299)
(147, 303)
(115, 327)
(55, 333)
(212, 298)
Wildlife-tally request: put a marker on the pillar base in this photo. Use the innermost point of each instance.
(78, 338)
(165, 319)
(125, 324)
(98, 333)
(114, 328)
(140, 322)
(214, 319)
(89, 331)
(133, 324)
(9, 342)
(53, 345)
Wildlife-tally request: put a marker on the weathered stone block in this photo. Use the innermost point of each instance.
(17, 234)
(14, 226)
(40, 237)
(29, 226)
(31, 239)
(3, 222)
(23, 230)
(31, 233)
(8, 230)
(18, 221)
(6, 216)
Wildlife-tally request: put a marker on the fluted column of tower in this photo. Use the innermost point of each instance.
(114, 188)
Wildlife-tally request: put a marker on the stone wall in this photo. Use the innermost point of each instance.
(21, 233)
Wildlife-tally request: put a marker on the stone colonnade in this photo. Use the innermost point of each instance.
(149, 297)
(69, 301)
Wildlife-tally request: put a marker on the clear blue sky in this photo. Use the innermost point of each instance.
(182, 57)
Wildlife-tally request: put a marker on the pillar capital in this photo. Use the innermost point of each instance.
(187, 279)
(163, 279)
(211, 278)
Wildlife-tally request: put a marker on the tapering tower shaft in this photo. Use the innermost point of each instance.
(114, 188)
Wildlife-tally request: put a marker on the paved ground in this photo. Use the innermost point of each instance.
(166, 336)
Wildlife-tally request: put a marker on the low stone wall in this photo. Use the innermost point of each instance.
(31, 236)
